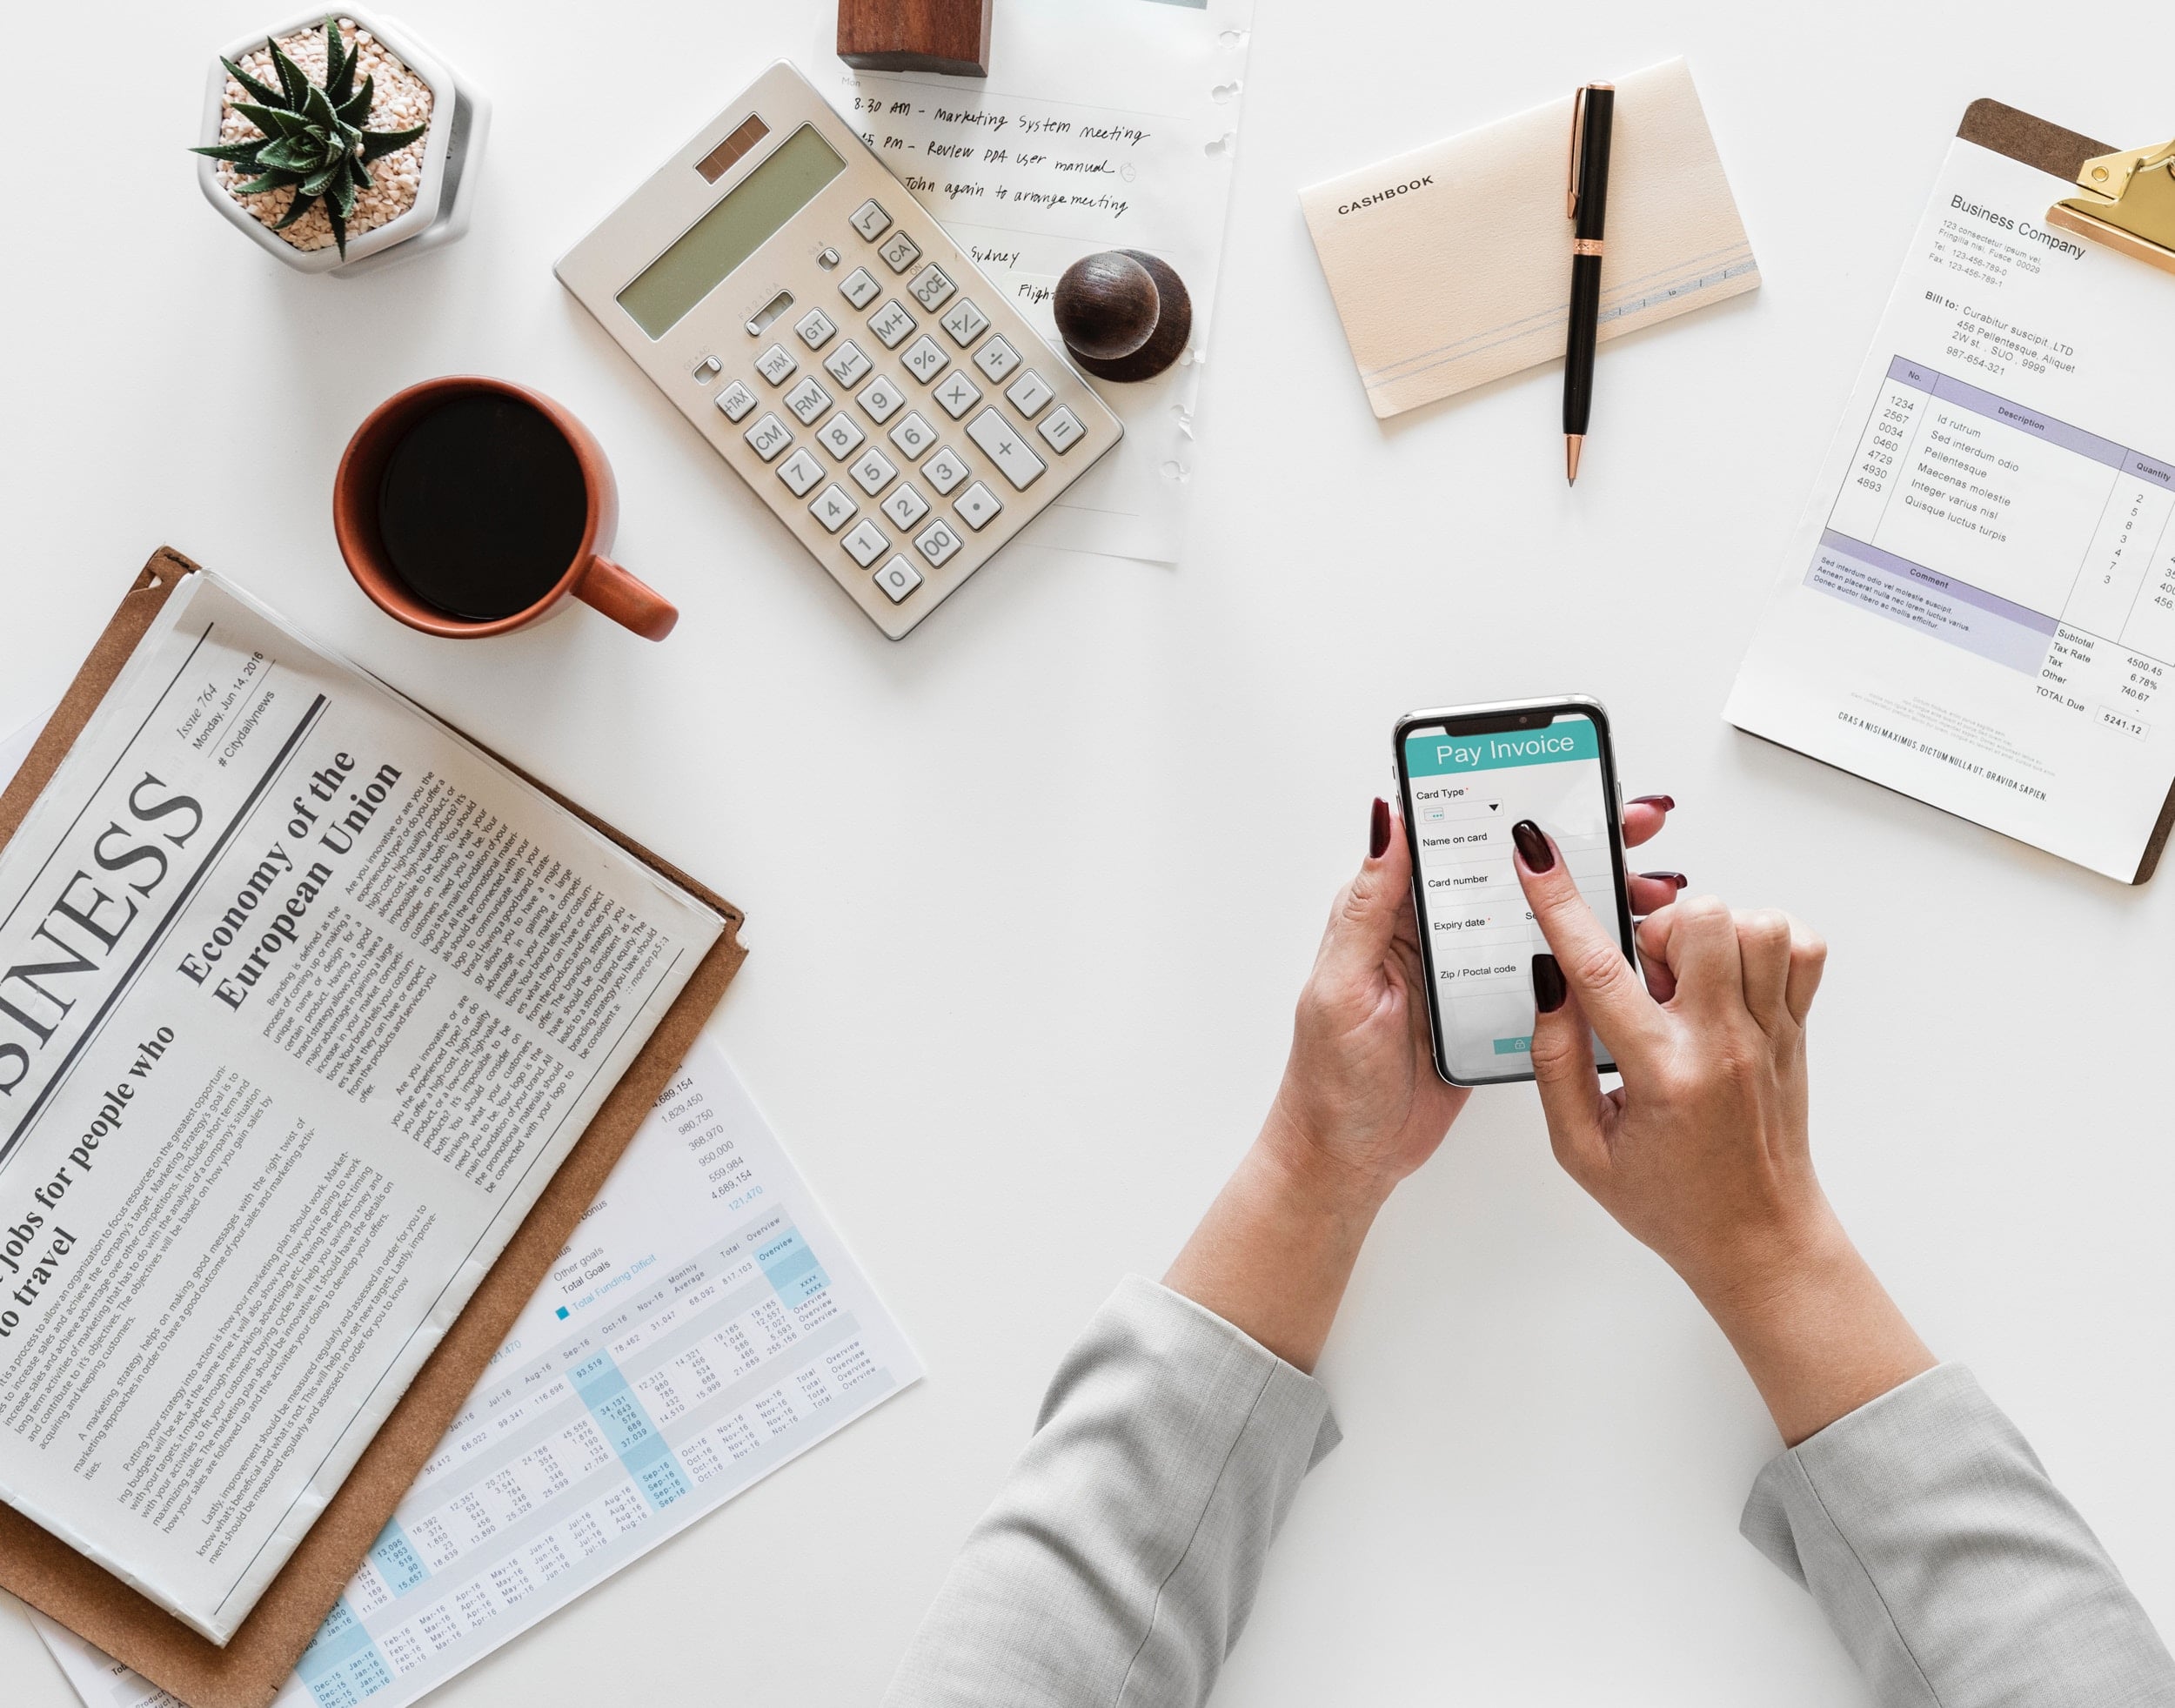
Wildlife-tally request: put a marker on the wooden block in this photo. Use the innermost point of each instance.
(947, 35)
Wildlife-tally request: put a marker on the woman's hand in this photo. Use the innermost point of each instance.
(1361, 1095)
(1361, 1107)
(1703, 1154)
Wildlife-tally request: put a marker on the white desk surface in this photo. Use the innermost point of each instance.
(1030, 893)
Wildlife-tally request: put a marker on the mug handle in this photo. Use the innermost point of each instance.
(627, 601)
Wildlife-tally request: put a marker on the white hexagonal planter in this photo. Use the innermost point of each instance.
(453, 151)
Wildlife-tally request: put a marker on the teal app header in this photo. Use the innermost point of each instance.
(1433, 756)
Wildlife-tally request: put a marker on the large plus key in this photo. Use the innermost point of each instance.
(1005, 448)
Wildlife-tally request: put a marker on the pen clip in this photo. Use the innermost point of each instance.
(1578, 139)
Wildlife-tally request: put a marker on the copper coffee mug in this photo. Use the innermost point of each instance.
(591, 577)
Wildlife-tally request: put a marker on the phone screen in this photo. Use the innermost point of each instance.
(1464, 791)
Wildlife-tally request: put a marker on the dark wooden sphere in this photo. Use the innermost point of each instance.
(1107, 305)
(1123, 314)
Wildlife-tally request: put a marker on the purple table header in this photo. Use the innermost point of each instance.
(1948, 389)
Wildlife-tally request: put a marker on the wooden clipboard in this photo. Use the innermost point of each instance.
(2032, 142)
(2063, 153)
(249, 1670)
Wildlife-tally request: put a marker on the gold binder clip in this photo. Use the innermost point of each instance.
(2128, 203)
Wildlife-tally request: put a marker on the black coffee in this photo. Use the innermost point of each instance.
(482, 507)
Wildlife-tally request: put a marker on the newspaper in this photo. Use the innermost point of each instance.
(302, 1001)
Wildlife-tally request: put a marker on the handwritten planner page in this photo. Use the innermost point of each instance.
(1102, 125)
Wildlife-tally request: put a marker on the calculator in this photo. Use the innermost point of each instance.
(839, 351)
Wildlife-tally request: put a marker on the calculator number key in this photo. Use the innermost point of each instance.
(965, 322)
(891, 324)
(736, 400)
(834, 510)
(870, 220)
(776, 364)
(977, 506)
(1006, 447)
(926, 360)
(881, 398)
(898, 578)
(872, 473)
(800, 472)
(996, 358)
(905, 506)
(860, 287)
(931, 287)
(1029, 393)
(769, 436)
(912, 436)
(957, 395)
(808, 400)
(846, 364)
(900, 253)
(1062, 431)
(865, 544)
(840, 436)
(945, 469)
(816, 329)
(938, 543)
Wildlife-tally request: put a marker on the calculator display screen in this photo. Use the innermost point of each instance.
(739, 225)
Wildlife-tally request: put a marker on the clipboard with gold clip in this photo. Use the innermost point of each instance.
(2128, 203)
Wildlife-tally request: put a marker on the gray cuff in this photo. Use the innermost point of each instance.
(1948, 1563)
(1855, 1452)
(1120, 1560)
(1281, 1405)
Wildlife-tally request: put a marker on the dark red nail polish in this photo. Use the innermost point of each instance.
(1676, 878)
(1533, 846)
(1547, 984)
(1378, 829)
(1666, 802)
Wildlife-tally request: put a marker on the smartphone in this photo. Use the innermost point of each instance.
(1466, 774)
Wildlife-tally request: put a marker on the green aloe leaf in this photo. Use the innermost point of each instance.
(340, 230)
(242, 153)
(356, 109)
(276, 180)
(293, 83)
(318, 108)
(339, 78)
(376, 143)
(340, 196)
(301, 205)
(321, 180)
(251, 87)
(273, 121)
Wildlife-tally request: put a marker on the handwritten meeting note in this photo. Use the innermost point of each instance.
(1103, 125)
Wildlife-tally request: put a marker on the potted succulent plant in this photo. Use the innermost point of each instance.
(334, 141)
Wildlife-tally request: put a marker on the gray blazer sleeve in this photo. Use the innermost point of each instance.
(1120, 1561)
(1949, 1565)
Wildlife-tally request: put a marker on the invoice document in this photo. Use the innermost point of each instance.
(1978, 607)
(703, 1326)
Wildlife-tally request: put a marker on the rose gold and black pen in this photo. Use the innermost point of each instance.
(1586, 203)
